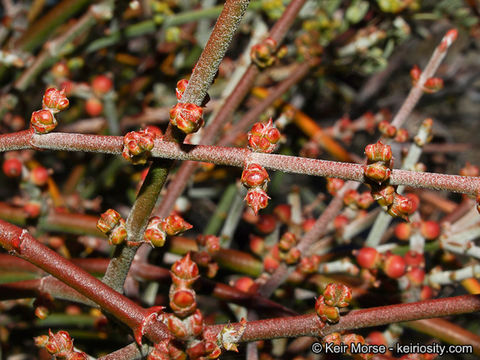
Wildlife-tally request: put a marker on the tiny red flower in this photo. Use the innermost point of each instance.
(175, 224)
(257, 199)
(101, 84)
(43, 121)
(337, 295)
(378, 152)
(12, 167)
(181, 87)
(254, 175)
(262, 54)
(188, 117)
(137, 146)
(368, 258)
(184, 272)
(263, 137)
(55, 100)
(394, 266)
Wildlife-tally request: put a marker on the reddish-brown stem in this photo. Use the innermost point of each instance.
(446, 331)
(22, 244)
(237, 157)
(310, 325)
(214, 51)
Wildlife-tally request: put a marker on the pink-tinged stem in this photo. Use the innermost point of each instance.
(447, 331)
(238, 156)
(417, 90)
(310, 325)
(21, 243)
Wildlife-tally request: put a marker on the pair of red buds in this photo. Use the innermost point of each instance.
(43, 121)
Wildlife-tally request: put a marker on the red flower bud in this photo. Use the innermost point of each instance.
(416, 276)
(309, 265)
(118, 234)
(101, 84)
(394, 266)
(334, 338)
(262, 54)
(137, 146)
(108, 220)
(254, 175)
(181, 87)
(386, 129)
(364, 200)
(415, 74)
(368, 258)
(292, 256)
(257, 244)
(270, 264)
(350, 198)
(93, 107)
(266, 223)
(426, 293)
(403, 231)
(263, 137)
(154, 233)
(287, 241)
(337, 295)
(54, 100)
(333, 185)
(401, 136)
(257, 199)
(43, 121)
(33, 209)
(402, 206)
(184, 272)
(377, 172)
(385, 196)
(187, 117)
(283, 212)
(326, 312)
(182, 302)
(430, 229)
(39, 176)
(432, 85)
(175, 224)
(413, 258)
(378, 152)
(12, 167)
(244, 283)
(59, 344)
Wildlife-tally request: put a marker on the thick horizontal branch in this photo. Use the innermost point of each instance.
(19, 242)
(237, 157)
(310, 325)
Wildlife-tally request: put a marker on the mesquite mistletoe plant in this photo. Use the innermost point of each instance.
(200, 237)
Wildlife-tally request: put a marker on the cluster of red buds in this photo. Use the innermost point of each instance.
(113, 225)
(354, 200)
(187, 117)
(43, 121)
(263, 54)
(334, 296)
(59, 345)
(413, 286)
(377, 171)
(208, 246)
(348, 340)
(394, 266)
(137, 145)
(390, 131)
(186, 322)
(431, 85)
(287, 249)
(263, 137)
(158, 229)
(429, 229)
(255, 179)
(101, 86)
